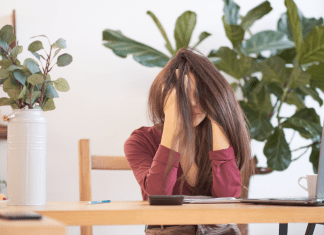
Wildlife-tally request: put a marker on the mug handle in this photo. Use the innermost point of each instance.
(300, 178)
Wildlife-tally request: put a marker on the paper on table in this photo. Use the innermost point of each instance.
(209, 200)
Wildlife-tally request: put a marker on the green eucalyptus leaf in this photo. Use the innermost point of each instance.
(293, 99)
(273, 70)
(61, 85)
(60, 43)
(260, 125)
(57, 51)
(49, 105)
(7, 34)
(313, 93)
(185, 24)
(122, 46)
(35, 79)
(314, 46)
(256, 13)
(9, 84)
(14, 67)
(235, 33)
(4, 45)
(35, 96)
(23, 93)
(5, 63)
(3, 73)
(35, 46)
(231, 11)
(202, 37)
(50, 92)
(32, 65)
(4, 101)
(20, 76)
(16, 50)
(36, 55)
(317, 75)
(277, 151)
(162, 31)
(266, 40)
(13, 93)
(64, 60)
(295, 25)
(298, 77)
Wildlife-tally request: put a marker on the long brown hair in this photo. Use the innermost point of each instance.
(215, 97)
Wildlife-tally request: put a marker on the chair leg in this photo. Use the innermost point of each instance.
(86, 230)
(310, 229)
(283, 229)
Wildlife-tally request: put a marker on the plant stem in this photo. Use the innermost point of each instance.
(45, 74)
(310, 145)
(292, 137)
(272, 112)
(300, 155)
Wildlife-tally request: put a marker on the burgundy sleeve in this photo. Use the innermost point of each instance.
(149, 170)
(226, 175)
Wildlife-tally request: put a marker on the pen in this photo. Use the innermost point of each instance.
(96, 202)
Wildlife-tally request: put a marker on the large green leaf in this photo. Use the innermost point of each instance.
(293, 99)
(162, 31)
(314, 157)
(231, 11)
(64, 60)
(183, 29)
(235, 33)
(313, 93)
(295, 25)
(273, 70)
(266, 40)
(230, 64)
(122, 46)
(287, 54)
(314, 46)
(274, 88)
(264, 100)
(35, 46)
(250, 89)
(256, 13)
(313, 128)
(7, 34)
(202, 37)
(277, 151)
(307, 24)
(298, 77)
(260, 125)
(317, 75)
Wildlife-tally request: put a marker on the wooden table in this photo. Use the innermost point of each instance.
(140, 212)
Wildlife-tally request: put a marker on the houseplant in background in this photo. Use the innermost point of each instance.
(293, 70)
(31, 91)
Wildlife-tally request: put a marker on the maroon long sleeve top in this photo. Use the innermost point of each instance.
(148, 160)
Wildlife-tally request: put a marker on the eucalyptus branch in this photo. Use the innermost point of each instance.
(45, 74)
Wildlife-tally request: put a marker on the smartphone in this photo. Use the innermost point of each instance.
(166, 199)
(20, 215)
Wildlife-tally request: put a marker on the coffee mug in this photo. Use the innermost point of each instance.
(311, 184)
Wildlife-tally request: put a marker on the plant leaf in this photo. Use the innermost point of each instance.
(183, 29)
(14, 67)
(35, 96)
(273, 70)
(317, 75)
(60, 43)
(3, 73)
(231, 11)
(20, 76)
(293, 99)
(314, 157)
(235, 33)
(23, 93)
(13, 93)
(35, 79)
(7, 34)
(298, 77)
(314, 46)
(16, 50)
(295, 25)
(32, 65)
(266, 40)
(202, 37)
(256, 13)
(50, 92)
(274, 88)
(162, 31)
(64, 60)
(122, 46)
(61, 85)
(4, 45)
(35, 46)
(9, 84)
(49, 105)
(313, 93)
(234, 86)
(277, 151)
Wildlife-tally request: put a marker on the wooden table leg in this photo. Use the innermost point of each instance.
(310, 229)
(283, 229)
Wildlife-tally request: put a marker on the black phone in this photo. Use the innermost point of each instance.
(20, 215)
(166, 199)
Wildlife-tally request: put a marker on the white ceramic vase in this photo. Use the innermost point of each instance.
(26, 163)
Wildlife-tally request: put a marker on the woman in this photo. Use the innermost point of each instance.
(199, 144)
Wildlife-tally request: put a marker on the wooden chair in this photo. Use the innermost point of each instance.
(11, 20)
(96, 163)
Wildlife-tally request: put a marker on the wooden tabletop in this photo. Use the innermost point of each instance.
(141, 212)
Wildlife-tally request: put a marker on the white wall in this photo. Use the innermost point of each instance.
(108, 95)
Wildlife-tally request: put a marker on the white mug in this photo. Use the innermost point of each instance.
(311, 184)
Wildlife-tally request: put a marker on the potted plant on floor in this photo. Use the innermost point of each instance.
(31, 92)
(294, 70)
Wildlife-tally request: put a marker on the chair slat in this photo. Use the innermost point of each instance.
(84, 170)
(109, 163)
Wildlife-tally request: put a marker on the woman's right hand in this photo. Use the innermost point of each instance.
(170, 108)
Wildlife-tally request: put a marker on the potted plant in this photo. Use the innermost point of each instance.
(31, 91)
(294, 70)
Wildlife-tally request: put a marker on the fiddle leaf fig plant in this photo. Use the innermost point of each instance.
(30, 84)
(271, 68)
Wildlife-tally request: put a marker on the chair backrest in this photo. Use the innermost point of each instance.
(11, 20)
(97, 162)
